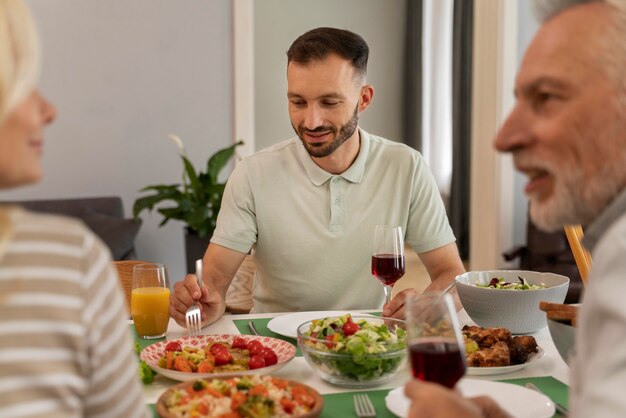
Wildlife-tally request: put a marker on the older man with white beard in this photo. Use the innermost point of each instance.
(567, 133)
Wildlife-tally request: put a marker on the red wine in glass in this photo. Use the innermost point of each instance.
(437, 360)
(388, 268)
(388, 256)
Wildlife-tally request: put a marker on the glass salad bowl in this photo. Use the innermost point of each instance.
(353, 350)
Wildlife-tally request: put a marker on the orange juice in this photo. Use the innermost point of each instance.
(149, 307)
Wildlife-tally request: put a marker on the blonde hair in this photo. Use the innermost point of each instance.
(19, 54)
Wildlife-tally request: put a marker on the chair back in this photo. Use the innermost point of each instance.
(125, 273)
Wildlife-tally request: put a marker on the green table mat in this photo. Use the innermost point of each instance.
(341, 404)
(142, 343)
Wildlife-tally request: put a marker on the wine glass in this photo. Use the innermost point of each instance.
(434, 337)
(150, 300)
(388, 257)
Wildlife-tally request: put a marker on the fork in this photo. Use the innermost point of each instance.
(363, 406)
(193, 316)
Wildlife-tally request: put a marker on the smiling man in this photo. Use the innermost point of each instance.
(308, 206)
(567, 133)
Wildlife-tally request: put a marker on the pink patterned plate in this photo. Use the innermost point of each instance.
(152, 353)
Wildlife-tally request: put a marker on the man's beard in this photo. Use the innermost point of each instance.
(324, 150)
(577, 198)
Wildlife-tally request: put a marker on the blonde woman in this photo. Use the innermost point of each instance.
(65, 350)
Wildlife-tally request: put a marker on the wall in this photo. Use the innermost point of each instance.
(124, 74)
(277, 23)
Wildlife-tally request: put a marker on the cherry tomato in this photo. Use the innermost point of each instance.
(255, 346)
(330, 340)
(350, 328)
(256, 362)
(269, 355)
(217, 348)
(222, 357)
(173, 346)
(239, 343)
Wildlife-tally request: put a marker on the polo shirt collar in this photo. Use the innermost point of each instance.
(603, 222)
(353, 174)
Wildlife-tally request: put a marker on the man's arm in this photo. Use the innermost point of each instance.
(220, 265)
(443, 265)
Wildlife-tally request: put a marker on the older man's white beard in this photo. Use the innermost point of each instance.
(576, 199)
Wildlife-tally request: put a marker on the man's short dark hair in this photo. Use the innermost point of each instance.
(318, 43)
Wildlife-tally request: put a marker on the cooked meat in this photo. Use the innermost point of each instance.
(495, 356)
(521, 347)
(486, 337)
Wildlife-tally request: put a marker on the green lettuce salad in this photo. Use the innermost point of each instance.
(359, 350)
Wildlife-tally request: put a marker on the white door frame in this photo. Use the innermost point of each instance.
(243, 75)
(491, 195)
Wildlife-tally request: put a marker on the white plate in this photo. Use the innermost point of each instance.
(488, 371)
(518, 401)
(152, 353)
(287, 325)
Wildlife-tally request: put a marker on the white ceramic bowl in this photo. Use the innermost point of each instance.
(517, 310)
(563, 337)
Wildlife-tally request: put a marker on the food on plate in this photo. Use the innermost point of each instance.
(360, 350)
(496, 347)
(217, 357)
(560, 312)
(247, 396)
(500, 283)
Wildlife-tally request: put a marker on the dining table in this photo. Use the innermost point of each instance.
(548, 373)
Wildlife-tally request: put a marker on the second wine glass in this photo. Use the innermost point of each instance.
(388, 257)
(434, 337)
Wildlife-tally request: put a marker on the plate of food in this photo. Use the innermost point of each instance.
(518, 401)
(221, 355)
(287, 324)
(253, 395)
(491, 351)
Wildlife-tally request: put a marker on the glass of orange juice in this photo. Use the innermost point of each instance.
(150, 300)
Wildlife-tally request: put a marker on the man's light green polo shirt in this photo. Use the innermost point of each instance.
(313, 231)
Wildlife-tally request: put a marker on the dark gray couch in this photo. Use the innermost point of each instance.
(103, 215)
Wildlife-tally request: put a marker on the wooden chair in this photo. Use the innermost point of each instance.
(238, 296)
(125, 273)
(582, 257)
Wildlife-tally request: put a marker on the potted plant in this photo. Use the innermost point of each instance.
(196, 201)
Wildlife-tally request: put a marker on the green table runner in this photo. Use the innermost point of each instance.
(142, 343)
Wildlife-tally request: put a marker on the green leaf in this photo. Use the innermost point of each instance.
(219, 160)
(148, 202)
(191, 174)
(196, 201)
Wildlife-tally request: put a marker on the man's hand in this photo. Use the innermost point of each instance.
(186, 293)
(396, 308)
(435, 401)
